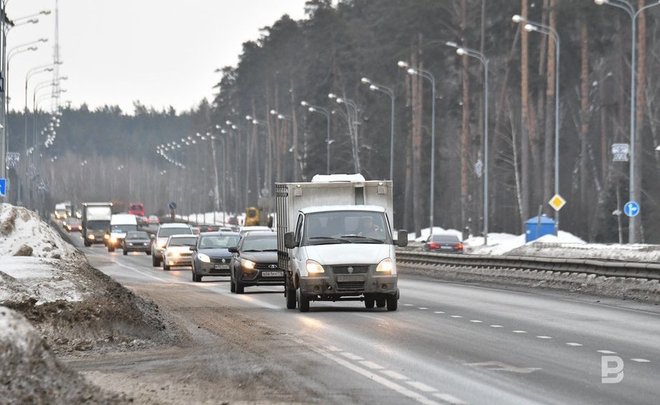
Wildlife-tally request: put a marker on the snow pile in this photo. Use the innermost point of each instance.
(23, 233)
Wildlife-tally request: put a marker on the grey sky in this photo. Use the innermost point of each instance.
(160, 52)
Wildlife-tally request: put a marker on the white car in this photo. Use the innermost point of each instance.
(177, 251)
(165, 231)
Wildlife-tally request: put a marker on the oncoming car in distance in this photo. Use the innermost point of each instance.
(211, 256)
(137, 241)
(255, 261)
(178, 251)
(165, 231)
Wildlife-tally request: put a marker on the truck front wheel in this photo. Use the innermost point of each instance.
(303, 301)
(290, 298)
(392, 303)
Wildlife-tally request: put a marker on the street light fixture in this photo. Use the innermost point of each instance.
(633, 224)
(463, 51)
(429, 76)
(390, 92)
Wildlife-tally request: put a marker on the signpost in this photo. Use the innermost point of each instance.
(631, 209)
(172, 207)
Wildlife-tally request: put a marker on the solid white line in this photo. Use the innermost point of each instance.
(574, 344)
(351, 356)
(456, 316)
(146, 274)
(544, 337)
(519, 331)
(475, 321)
(375, 377)
(605, 352)
(449, 398)
(395, 375)
(496, 326)
(421, 386)
(641, 360)
(372, 365)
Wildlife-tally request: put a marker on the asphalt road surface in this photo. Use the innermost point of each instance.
(447, 343)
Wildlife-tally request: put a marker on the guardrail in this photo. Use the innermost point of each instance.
(607, 268)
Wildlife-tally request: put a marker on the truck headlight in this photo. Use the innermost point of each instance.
(113, 240)
(204, 258)
(385, 266)
(248, 264)
(90, 237)
(106, 236)
(314, 267)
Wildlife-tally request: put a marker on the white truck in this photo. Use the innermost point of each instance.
(119, 225)
(335, 243)
(96, 222)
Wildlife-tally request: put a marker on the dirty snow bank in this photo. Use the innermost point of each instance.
(31, 374)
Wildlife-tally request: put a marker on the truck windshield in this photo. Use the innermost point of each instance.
(123, 228)
(323, 228)
(98, 225)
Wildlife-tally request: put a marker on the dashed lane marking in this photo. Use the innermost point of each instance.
(421, 386)
(456, 316)
(422, 308)
(372, 365)
(407, 305)
(496, 326)
(438, 312)
(573, 344)
(605, 352)
(449, 399)
(475, 321)
(520, 332)
(641, 360)
(351, 356)
(544, 337)
(395, 375)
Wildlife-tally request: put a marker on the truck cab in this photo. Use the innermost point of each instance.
(335, 242)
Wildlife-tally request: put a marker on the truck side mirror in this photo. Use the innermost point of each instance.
(402, 238)
(289, 240)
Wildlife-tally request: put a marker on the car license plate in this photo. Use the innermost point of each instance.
(349, 277)
(272, 273)
(221, 267)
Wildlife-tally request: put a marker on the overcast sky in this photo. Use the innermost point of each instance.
(160, 52)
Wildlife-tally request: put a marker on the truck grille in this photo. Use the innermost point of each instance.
(350, 286)
(344, 269)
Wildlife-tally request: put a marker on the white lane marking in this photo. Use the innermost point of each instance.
(407, 305)
(641, 360)
(375, 377)
(475, 321)
(438, 312)
(351, 356)
(456, 316)
(449, 398)
(544, 337)
(573, 344)
(395, 375)
(421, 386)
(334, 349)
(422, 308)
(605, 352)
(372, 365)
(519, 331)
(146, 274)
(496, 326)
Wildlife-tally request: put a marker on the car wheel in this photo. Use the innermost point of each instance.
(369, 303)
(232, 285)
(148, 252)
(154, 261)
(392, 303)
(240, 288)
(111, 249)
(165, 266)
(125, 252)
(195, 277)
(380, 302)
(303, 301)
(87, 244)
(290, 297)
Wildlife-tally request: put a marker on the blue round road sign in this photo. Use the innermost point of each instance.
(631, 208)
(172, 205)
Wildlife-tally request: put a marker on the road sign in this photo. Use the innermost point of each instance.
(631, 208)
(172, 205)
(557, 202)
(478, 168)
(620, 152)
(3, 187)
(13, 158)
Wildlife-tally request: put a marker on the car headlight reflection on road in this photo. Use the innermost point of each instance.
(247, 264)
(385, 266)
(204, 258)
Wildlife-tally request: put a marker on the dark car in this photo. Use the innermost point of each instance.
(255, 261)
(211, 256)
(72, 224)
(445, 243)
(137, 241)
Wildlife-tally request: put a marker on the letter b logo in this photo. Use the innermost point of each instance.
(611, 368)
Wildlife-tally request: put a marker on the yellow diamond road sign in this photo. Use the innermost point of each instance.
(557, 202)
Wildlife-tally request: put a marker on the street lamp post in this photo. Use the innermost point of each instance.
(328, 141)
(549, 31)
(352, 112)
(633, 224)
(429, 76)
(461, 51)
(390, 92)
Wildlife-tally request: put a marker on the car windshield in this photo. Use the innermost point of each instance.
(444, 239)
(322, 228)
(258, 243)
(137, 235)
(72, 221)
(186, 241)
(123, 228)
(165, 232)
(97, 225)
(218, 241)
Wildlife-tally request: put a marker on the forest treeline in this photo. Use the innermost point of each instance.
(337, 45)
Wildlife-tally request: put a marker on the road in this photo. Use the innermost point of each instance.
(447, 343)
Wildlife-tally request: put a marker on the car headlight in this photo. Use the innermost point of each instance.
(91, 237)
(172, 254)
(204, 258)
(248, 264)
(385, 266)
(314, 267)
(113, 239)
(106, 236)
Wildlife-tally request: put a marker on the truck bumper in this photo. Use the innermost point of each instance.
(330, 288)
